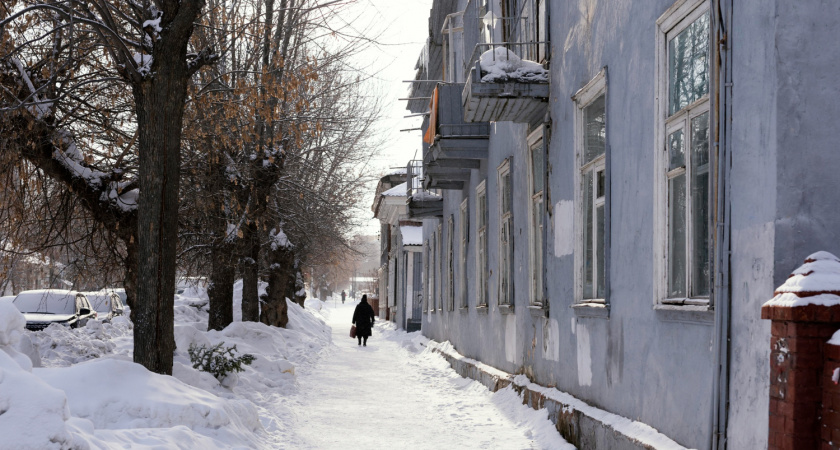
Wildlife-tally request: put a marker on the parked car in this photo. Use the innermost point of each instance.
(107, 304)
(44, 307)
(121, 293)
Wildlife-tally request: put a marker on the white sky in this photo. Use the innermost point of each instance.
(404, 26)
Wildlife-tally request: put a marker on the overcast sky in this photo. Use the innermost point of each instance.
(404, 26)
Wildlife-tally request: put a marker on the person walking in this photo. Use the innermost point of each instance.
(342, 297)
(363, 319)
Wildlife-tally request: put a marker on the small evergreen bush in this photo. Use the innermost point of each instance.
(218, 360)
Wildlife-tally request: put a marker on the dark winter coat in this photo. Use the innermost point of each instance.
(363, 319)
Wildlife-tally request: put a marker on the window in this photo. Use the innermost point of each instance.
(536, 176)
(426, 265)
(683, 161)
(591, 142)
(505, 235)
(432, 275)
(465, 237)
(450, 261)
(439, 269)
(481, 248)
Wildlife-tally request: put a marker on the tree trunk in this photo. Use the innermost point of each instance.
(250, 281)
(222, 277)
(159, 100)
(275, 311)
(130, 281)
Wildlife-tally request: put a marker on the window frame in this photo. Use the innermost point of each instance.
(450, 263)
(506, 220)
(427, 250)
(462, 263)
(675, 20)
(583, 98)
(439, 268)
(536, 251)
(482, 273)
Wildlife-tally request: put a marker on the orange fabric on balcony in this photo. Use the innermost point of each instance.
(429, 137)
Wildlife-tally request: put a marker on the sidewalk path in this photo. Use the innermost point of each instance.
(391, 395)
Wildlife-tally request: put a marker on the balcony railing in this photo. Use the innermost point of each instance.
(422, 202)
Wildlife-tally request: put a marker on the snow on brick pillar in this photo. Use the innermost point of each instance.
(805, 313)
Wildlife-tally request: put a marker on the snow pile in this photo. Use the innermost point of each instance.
(535, 420)
(639, 431)
(92, 396)
(117, 394)
(425, 196)
(501, 64)
(816, 282)
(34, 415)
(60, 346)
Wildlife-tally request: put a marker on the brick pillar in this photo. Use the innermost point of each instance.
(796, 369)
(805, 313)
(830, 423)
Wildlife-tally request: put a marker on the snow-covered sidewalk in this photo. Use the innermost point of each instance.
(310, 387)
(396, 393)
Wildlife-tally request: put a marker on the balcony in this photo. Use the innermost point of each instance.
(504, 99)
(507, 77)
(422, 202)
(454, 146)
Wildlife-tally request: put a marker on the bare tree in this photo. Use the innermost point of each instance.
(58, 48)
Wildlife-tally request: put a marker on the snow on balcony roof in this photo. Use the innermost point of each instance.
(396, 191)
(412, 234)
(817, 282)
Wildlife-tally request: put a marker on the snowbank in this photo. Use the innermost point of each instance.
(34, 415)
(116, 394)
(500, 64)
(90, 394)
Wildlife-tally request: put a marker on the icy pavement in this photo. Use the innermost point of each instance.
(395, 393)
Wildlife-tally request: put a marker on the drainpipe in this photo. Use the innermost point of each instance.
(722, 105)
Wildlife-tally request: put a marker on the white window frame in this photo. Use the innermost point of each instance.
(536, 247)
(676, 19)
(506, 297)
(596, 87)
(462, 264)
(481, 269)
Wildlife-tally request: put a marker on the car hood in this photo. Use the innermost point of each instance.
(35, 317)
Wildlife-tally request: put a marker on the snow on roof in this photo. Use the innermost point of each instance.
(396, 171)
(817, 282)
(501, 64)
(396, 191)
(425, 196)
(49, 291)
(412, 234)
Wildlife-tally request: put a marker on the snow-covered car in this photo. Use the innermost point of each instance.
(107, 304)
(44, 307)
(121, 293)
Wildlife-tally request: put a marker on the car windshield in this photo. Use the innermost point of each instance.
(101, 302)
(46, 302)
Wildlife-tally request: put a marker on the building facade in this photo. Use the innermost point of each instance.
(401, 259)
(608, 215)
